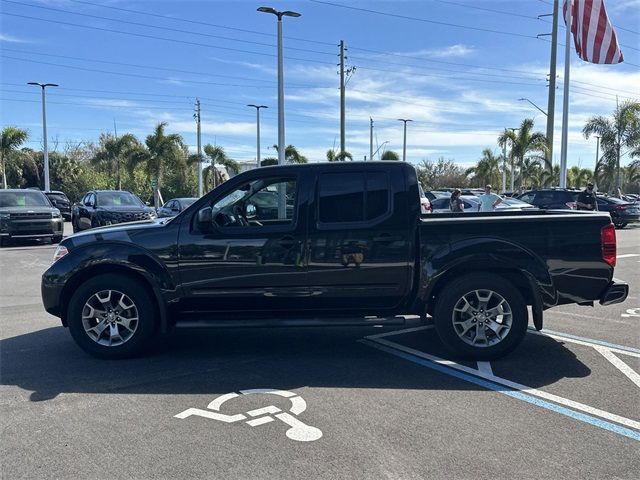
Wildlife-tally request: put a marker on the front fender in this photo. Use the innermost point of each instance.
(62, 278)
(487, 254)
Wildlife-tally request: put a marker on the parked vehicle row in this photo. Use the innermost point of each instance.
(99, 208)
(28, 214)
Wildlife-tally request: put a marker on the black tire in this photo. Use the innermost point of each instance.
(56, 239)
(144, 330)
(74, 226)
(454, 292)
(621, 225)
(4, 242)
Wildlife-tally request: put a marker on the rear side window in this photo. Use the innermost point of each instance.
(352, 197)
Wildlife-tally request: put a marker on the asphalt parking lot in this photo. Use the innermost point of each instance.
(311, 403)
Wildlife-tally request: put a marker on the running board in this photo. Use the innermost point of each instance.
(291, 322)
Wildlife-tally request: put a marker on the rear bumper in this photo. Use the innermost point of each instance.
(616, 292)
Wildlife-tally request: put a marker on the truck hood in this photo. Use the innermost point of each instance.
(28, 210)
(124, 232)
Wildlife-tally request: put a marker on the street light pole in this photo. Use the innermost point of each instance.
(47, 185)
(404, 143)
(257, 107)
(281, 143)
(527, 100)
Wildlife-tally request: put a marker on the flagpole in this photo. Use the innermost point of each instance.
(565, 99)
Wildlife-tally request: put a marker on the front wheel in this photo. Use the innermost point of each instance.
(480, 316)
(112, 316)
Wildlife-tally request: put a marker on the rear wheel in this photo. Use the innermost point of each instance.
(480, 316)
(620, 224)
(112, 316)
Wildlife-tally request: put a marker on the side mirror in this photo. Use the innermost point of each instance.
(54, 203)
(204, 219)
(148, 204)
(251, 211)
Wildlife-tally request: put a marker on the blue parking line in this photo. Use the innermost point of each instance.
(612, 427)
(589, 340)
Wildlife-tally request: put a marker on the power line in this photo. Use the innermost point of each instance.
(153, 37)
(424, 20)
(147, 25)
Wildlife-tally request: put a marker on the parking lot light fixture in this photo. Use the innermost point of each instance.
(536, 106)
(43, 86)
(287, 13)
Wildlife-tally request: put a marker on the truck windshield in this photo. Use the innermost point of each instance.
(23, 199)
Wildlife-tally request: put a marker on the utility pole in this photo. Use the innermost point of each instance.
(404, 142)
(565, 102)
(342, 102)
(115, 132)
(47, 186)
(370, 139)
(504, 167)
(199, 137)
(551, 103)
(597, 155)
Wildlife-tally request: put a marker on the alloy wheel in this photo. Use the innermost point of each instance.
(110, 318)
(482, 318)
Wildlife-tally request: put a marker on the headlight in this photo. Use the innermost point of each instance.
(152, 214)
(55, 214)
(60, 252)
(5, 216)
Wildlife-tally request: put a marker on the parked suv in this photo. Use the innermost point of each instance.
(551, 198)
(61, 202)
(108, 207)
(28, 214)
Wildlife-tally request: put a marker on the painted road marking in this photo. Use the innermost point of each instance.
(298, 430)
(381, 342)
(472, 378)
(620, 365)
(589, 342)
(485, 367)
(628, 255)
(631, 312)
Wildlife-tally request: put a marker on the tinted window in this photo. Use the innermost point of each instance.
(341, 197)
(59, 197)
(23, 199)
(377, 198)
(527, 197)
(440, 203)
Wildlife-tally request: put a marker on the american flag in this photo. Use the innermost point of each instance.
(593, 35)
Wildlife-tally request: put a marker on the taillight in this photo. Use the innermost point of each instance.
(620, 207)
(608, 242)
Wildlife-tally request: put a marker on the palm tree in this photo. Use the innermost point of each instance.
(487, 170)
(390, 155)
(578, 177)
(217, 156)
(113, 151)
(160, 152)
(524, 144)
(332, 156)
(11, 139)
(292, 155)
(621, 131)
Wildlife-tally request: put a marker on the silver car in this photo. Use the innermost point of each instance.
(471, 203)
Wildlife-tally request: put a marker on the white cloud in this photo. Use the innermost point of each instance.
(11, 39)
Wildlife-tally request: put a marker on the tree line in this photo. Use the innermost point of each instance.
(163, 163)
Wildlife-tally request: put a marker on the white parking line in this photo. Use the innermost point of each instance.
(485, 367)
(628, 255)
(378, 338)
(619, 364)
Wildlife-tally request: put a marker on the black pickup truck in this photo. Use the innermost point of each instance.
(345, 242)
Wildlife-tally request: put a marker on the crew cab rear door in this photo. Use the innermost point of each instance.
(359, 245)
(254, 256)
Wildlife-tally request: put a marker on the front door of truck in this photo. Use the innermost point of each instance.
(359, 250)
(253, 257)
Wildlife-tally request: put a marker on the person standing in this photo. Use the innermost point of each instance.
(455, 202)
(488, 201)
(587, 199)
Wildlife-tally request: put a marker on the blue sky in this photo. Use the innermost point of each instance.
(460, 85)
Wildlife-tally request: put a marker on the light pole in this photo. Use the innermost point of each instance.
(257, 107)
(44, 132)
(287, 13)
(378, 149)
(404, 143)
(527, 100)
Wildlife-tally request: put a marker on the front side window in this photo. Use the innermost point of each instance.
(352, 197)
(263, 202)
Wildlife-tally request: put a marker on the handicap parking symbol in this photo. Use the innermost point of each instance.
(298, 430)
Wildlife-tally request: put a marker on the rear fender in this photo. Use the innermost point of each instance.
(517, 264)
